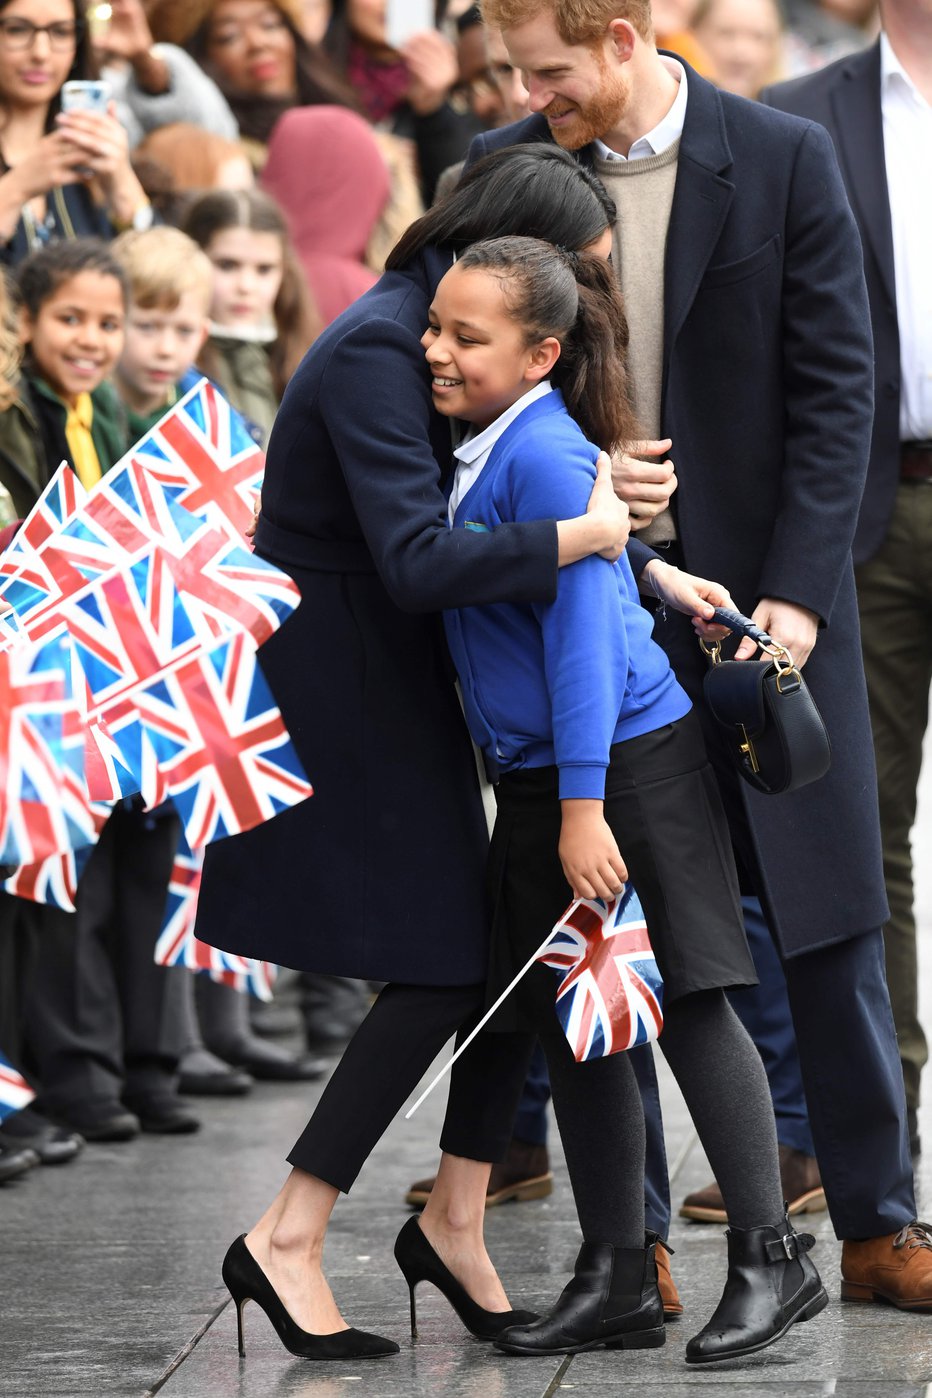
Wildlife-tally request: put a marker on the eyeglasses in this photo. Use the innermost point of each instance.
(21, 34)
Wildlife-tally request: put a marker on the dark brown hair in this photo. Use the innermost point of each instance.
(40, 275)
(83, 67)
(538, 191)
(574, 298)
(296, 316)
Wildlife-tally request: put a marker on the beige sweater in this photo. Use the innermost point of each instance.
(643, 195)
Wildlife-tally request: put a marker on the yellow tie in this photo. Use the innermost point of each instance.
(81, 443)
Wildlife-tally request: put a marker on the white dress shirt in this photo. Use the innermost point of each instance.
(667, 130)
(476, 447)
(907, 140)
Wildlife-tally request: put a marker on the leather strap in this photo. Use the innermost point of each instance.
(788, 1247)
(736, 621)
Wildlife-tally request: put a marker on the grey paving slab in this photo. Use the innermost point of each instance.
(111, 1272)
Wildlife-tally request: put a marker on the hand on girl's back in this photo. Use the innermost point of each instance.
(589, 853)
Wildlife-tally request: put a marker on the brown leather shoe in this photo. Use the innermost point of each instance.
(799, 1176)
(523, 1174)
(672, 1305)
(896, 1268)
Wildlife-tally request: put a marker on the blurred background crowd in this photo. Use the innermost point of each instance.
(236, 185)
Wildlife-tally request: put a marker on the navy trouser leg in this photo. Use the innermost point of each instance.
(531, 1118)
(764, 1010)
(656, 1175)
(854, 1084)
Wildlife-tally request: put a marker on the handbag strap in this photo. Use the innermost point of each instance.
(744, 626)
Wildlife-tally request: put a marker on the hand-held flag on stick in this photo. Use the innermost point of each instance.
(15, 1092)
(611, 992)
(568, 951)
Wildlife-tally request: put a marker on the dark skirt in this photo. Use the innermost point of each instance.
(662, 803)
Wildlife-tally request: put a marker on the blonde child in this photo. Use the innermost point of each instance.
(170, 286)
(72, 310)
(262, 317)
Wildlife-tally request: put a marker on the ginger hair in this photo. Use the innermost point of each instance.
(577, 21)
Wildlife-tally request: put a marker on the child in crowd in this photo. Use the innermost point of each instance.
(72, 299)
(170, 286)
(601, 773)
(262, 316)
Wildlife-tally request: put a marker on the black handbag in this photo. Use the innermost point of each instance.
(771, 720)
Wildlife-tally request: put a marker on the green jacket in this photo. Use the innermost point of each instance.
(33, 443)
(242, 371)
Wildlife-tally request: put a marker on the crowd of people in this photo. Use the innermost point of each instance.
(249, 170)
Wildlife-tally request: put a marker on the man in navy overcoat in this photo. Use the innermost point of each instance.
(767, 395)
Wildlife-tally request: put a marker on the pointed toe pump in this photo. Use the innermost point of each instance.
(612, 1301)
(419, 1262)
(246, 1281)
(771, 1284)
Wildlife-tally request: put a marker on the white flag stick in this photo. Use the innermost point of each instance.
(483, 1021)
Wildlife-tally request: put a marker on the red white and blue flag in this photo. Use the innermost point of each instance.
(44, 806)
(178, 946)
(202, 455)
(15, 1092)
(610, 996)
(220, 745)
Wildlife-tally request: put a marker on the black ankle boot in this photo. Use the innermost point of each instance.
(771, 1284)
(612, 1300)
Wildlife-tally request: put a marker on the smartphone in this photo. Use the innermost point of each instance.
(85, 95)
(406, 17)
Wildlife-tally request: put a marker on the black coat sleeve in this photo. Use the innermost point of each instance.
(380, 433)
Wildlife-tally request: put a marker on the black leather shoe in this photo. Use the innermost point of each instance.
(14, 1163)
(612, 1300)
(246, 1281)
(419, 1262)
(54, 1145)
(233, 1082)
(270, 1063)
(161, 1114)
(771, 1284)
(107, 1122)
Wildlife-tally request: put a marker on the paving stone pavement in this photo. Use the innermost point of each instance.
(109, 1281)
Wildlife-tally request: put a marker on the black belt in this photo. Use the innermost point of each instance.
(916, 461)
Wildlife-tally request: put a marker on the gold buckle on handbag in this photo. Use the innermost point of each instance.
(747, 747)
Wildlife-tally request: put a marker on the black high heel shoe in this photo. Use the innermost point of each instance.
(246, 1281)
(419, 1262)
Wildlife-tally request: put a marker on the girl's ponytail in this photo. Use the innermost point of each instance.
(591, 369)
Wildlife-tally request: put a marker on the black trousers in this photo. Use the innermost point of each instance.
(383, 1064)
(99, 1016)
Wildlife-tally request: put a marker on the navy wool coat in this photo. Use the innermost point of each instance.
(379, 874)
(845, 99)
(768, 398)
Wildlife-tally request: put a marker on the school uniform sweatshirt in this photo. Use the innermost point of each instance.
(556, 683)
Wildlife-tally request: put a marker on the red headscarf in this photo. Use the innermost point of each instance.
(327, 172)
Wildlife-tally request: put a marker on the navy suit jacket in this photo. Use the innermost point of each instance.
(767, 395)
(845, 98)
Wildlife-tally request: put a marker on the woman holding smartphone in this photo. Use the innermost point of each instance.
(63, 174)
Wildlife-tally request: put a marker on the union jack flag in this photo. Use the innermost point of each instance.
(44, 807)
(24, 581)
(223, 753)
(55, 880)
(611, 993)
(178, 946)
(204, 458)
(15, 1092)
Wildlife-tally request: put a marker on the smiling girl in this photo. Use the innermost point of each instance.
(72, 311)
(601, 774)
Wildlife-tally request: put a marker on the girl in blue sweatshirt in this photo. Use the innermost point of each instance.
(601, 775)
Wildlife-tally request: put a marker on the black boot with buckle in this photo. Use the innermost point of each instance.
(771, 1284)
(612, 1300)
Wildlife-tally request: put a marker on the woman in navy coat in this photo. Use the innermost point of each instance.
(381, 873)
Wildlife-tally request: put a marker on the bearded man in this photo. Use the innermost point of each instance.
(750, 350)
